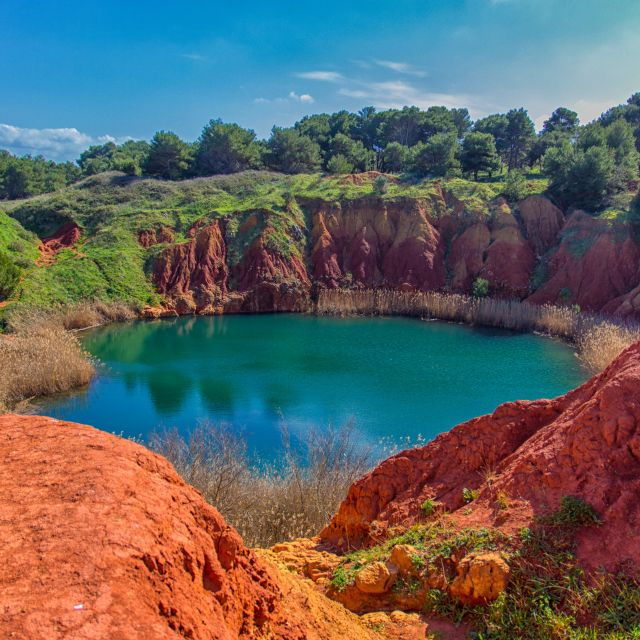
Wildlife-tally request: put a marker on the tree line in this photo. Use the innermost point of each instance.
(587, 165)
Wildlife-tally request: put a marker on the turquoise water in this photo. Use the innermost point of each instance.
(395, 377)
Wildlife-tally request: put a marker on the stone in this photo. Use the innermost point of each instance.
(481, 578)
(376, 578)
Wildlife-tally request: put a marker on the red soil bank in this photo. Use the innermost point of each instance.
(194, 273)
(149, 237)
(596, 263)
(584, 444)
(65, 237)
(101, 540)
(433, 243)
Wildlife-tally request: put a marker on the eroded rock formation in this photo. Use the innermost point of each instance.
(64, 238)
(433, 243)
(585, 444)
(194, 274)
(101, 539)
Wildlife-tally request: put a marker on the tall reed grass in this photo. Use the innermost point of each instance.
(40, 356)
(268, 503)
(599, 340)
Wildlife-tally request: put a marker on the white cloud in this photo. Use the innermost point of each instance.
(305, 97)
(395, 94)
(63, 143)
(400, 67)
(193, 56)
(323, 76)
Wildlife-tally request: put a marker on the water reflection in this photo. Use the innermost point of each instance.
(394, 376)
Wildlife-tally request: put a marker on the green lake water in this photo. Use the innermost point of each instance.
(395, 378)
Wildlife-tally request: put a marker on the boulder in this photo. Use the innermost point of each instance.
(376, 578)
(481, 578)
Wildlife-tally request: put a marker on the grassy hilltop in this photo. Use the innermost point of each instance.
(108, 263)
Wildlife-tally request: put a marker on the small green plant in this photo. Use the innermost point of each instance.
(428, 506)
(575, 512)
(480, 288)
(340, 580)
(380, 185)
(469, 495)
(502, 500)
(526, 535)
(565, 294)
(418, 561)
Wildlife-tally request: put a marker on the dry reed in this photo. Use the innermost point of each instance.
(40, 360)
(599, 340)
(268, 503)
(39, 356)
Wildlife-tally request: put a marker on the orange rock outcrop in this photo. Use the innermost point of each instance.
(101, 539)
(584, 444)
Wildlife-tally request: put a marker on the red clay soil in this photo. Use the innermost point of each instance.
(102, 540)
(584, 444)
(542, 222)
(378, 243)
(434, 243)
(595, 263)
(194, 273)
(64, 238)
(150, 237)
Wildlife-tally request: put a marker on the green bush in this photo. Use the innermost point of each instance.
(380, 185)
(515, 186)
(575, 512)
(480, 288)
(9, 276)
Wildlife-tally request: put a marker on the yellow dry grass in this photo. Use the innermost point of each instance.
(40, 356)
(265, 503)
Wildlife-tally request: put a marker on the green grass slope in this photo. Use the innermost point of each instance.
(108, 263)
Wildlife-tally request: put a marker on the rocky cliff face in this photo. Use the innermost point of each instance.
(102, 540)
(585, 444)
(430, 243)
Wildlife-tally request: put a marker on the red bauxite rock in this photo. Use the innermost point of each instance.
(584, 444)
(542, 221)
(102, 539)
(194, 272)
(595, 263)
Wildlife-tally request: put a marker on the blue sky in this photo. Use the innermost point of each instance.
(75, 73)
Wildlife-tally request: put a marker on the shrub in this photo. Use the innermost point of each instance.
(515, 186)
(480, 288)
(575, 512)
(9, 276)
(380, 185)
(266, 504)
(339, 164)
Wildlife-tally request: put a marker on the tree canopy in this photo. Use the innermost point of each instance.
(587, 165)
